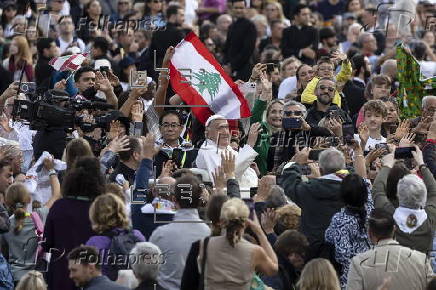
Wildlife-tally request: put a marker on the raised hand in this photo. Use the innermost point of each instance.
(113, 79)
(363, 134)
(266, 86)
(228, 164)
(167, 169)
(315, 172)
(407, 140)
(373, 155)
(219, 178)
(114, 129)
(49, 163)
(137, 112)
(119, 144)
(255, 129)
(301, 157)
(4, 122)
(102, 83)
(148, 146)
(61, 85)
(402, 129)
(268, 220)
(168, 55)
(417, 155)
(257, 71)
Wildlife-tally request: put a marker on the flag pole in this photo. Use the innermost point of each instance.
(71, 74)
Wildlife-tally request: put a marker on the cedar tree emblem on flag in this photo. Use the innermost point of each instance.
(210, 90)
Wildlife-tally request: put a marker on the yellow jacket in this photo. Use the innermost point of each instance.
(308, 95)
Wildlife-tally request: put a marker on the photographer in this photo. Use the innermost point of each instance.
(295, 130)
(88, 82)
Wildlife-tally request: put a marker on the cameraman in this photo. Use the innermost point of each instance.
(52, 138)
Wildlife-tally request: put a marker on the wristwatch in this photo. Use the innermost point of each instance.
(52, 172)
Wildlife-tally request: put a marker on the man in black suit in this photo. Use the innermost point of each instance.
(161, 40)
(241, 41)
(354, 89)
(300, 39)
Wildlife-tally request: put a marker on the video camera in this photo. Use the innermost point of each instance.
(54, 108)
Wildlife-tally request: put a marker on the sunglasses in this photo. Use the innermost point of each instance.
(293, 113)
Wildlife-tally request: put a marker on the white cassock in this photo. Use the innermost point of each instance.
(209, 158)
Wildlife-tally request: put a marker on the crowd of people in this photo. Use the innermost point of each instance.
(108, 180)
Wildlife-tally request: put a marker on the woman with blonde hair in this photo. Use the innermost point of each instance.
(229, 261)
(318, 274)
(110, 221)
(21, 239)
(274, 11)
(20, 59)
(33, 280)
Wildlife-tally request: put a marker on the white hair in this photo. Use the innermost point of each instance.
(411, 192)
(145, 259)
(387, 65)
(331, 160)
(295, 103)
(426, 99)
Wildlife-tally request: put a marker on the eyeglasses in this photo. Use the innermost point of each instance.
(168, 125)
(330, 89)
(293, 113)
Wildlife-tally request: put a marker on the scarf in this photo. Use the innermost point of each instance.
(408, 220)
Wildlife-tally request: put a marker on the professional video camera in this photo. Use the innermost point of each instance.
(53, 109)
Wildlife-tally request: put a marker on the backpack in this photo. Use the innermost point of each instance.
(6, 278)
(121, 245)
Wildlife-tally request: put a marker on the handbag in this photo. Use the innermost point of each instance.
(203, 264)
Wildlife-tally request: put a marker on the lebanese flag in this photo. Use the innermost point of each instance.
(209, 84)
(68, 62)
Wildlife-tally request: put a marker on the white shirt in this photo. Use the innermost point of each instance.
(63, 45)
(209, 158)
(287, 86)
(370, 144)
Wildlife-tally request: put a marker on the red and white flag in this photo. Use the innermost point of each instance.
(208, 84)
(68, 62)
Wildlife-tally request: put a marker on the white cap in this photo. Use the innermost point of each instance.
(101, 62)
(73, 50)
(213, 117)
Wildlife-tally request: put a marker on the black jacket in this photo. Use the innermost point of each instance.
(319, 199)
(163, 157)
(239, 48)
(128, 173)
(149, 285)
(295, 38)
(43, 72)
(314, 116)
